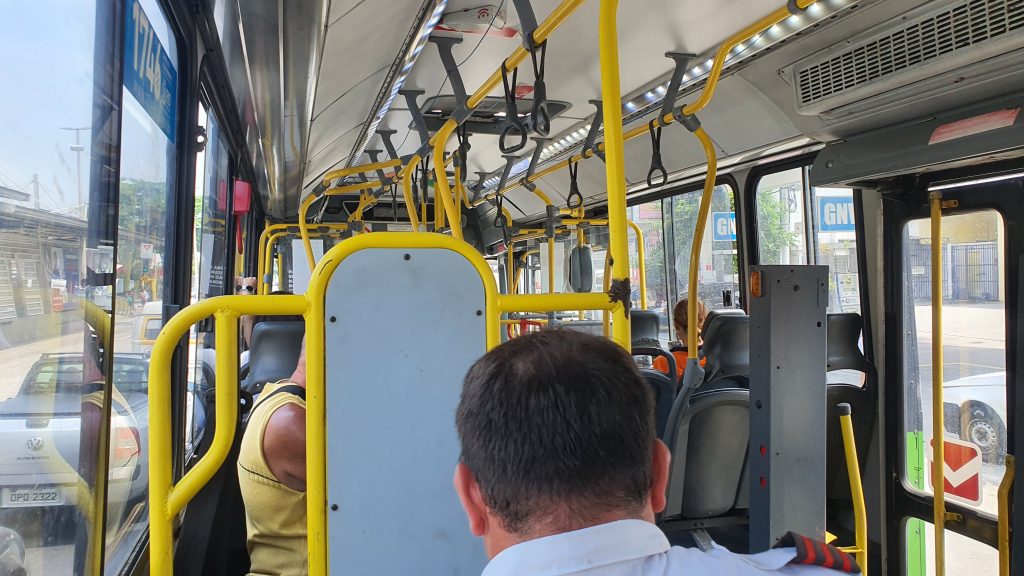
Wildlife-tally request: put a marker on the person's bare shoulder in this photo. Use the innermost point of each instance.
(284, 445)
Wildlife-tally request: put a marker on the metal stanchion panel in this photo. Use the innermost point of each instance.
(402, 328)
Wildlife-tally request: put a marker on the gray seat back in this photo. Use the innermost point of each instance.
(727, 348)
(664, 390)
(273, 353)
(712, 314)
(708, 439)
(844, 353)
(644, 326)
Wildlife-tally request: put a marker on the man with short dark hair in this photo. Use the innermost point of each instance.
(561, 472)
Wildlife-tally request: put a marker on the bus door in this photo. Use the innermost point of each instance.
(982, 252)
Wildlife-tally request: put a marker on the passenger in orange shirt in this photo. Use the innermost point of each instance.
(679, 321)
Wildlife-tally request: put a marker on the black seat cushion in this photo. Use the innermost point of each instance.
(274, 352)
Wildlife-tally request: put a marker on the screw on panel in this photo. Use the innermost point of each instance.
(334, 507)
(407, 257)
(479, 312)
(334, 318)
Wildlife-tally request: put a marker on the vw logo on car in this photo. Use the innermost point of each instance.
(34, 444)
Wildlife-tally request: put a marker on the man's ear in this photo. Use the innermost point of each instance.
(662, 461)
(471, 498)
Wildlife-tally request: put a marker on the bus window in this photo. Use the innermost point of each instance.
(719, 267)
(147, 168)
(781, 235)
(835, 245)
(974, 348)
(59, 139)
(649, 218)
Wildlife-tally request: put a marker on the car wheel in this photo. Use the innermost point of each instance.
(985, 430)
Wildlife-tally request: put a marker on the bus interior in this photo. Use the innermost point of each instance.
(840, 182)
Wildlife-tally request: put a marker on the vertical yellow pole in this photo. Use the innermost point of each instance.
(615, 170)
(1004, 516)
(304, 229)
(860, 514)
(938, 443)
(410, 204)
(641, 257)
(581, 240)
(260, 268)
(698, 235)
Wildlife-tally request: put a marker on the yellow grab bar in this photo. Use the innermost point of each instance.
(698, 236)
(440, 139)
(709, 89)
(167, 499)
(615, 169)
(641, 256)
(1004, 516)
(304, 227)
(860, 513)
(938, 420)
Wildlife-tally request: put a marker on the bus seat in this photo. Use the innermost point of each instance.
(273, 353)
(708, 440)
(708, 432)
(664, 390)
(644, 326)
(712, 314)
(844, 354)
(727, 349)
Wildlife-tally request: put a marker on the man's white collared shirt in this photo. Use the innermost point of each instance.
(636, 547)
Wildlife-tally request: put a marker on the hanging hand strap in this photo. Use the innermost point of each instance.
(656, 165)
(540, 117)
(513, 124)
(575, 199)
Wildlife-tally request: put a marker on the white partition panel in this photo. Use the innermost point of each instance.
(403, 326)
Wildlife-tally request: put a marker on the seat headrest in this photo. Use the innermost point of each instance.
(274, 351)
(727, 346)
(644, 325)
(843, 344)
(712, 314)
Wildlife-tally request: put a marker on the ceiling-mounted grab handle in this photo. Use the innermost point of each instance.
(540, 117)
(574, 188)
(513, 123)
(656, 164)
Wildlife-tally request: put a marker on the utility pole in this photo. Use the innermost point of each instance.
(77, 148)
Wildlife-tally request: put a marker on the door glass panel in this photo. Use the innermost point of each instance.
(963, 555)
(974, 355)
(58, 141)
(148, 135)
(718, 273)
(835, 246)
(781, 235)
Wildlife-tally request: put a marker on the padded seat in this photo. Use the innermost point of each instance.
(273, 353)
(644, 326)
(844, 353)
(709, 431)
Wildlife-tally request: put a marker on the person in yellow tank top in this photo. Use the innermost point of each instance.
(272, 477)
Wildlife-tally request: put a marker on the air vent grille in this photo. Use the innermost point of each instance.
(925, 39)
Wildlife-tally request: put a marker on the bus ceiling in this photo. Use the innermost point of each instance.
(318, 83)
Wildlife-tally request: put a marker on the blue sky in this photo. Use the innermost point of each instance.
(46, 82)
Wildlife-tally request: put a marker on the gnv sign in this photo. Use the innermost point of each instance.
(835, 214)
(724, 226)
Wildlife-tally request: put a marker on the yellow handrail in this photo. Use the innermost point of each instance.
(316, 409)
(304, 227)
(264, 265)
(698, 236)
(938, 424)
(615, 169)
(1004, 515)
(708, 91)
(440, 139)
(641, 256)
(860, 514)
(166, 499)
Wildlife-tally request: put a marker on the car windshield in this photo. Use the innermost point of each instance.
(64, 376)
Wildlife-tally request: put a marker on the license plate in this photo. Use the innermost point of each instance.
(30, 497)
